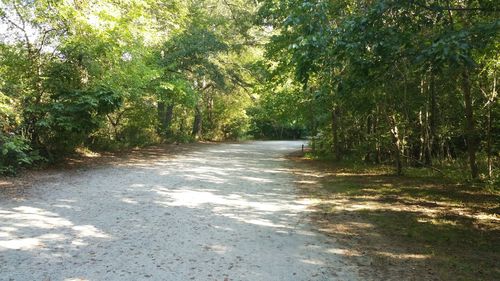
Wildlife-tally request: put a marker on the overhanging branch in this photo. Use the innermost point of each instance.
(436, 8)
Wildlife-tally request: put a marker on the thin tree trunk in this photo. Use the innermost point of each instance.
(424, 120)
(470, 130)
(422, 137)
(169, 115)
(488, 145)
(161, 116)
(378, 156)
(490, 124)
(432, 118)
(396, 143)
(369, 127)
(427, 140)
(182, 125)
(335, 134)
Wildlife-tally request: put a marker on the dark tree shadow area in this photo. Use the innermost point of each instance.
(411, 228)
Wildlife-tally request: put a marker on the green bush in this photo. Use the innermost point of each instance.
(72, 117)
(16, 153)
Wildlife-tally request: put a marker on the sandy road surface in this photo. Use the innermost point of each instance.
(217, 212)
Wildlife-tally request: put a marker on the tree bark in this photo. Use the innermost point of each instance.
(421, 151)
(427, 140)
(396, 143)
(165, 116)
(488, 145)
(368, 136)
(489, 152)
(378, 152)
(161, 115)
(169, 115)
(432, 118)
(425, 116)
(197, 124)
(335, 134)
(470, 130)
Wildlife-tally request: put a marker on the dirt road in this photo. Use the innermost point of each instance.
(216, 212)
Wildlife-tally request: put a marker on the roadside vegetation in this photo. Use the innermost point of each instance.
(412, 227)
(405, 83)
(110, 75)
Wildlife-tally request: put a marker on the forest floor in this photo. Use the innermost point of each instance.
(410, 228)
(187, 212)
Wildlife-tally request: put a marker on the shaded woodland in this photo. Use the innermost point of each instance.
(405, 83)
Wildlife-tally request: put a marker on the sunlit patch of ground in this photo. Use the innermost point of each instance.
(406, 228)
(19, 186)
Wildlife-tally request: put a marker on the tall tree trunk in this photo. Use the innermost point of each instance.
(425, 124)
(378, 146)
(182, 125)
(169, 115)
(335, 134)
(421, 151)
(165, 116)
(161, 116)
(396, 143)
(367, 138)
(488, 145)
(196, 133)
(209, 108)
(470, 130)
(427, 140)
(489, 152)
(433, 140)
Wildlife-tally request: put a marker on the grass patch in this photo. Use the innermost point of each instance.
(413, 227)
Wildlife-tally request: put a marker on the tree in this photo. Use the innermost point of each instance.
(385, 68)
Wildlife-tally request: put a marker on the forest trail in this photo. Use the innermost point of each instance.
(216, 212)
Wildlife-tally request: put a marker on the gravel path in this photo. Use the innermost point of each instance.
(217, 212)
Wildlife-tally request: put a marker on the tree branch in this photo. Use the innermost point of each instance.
(436, 8)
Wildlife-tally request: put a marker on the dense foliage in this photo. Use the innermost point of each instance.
(115, 74)
(410, 82)
(405, 82)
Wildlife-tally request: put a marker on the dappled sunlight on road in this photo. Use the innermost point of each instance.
(225, 211)
(404, 256)
(192, 198)
(45, 230)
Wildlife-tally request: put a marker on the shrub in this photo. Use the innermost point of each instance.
(16, 153)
